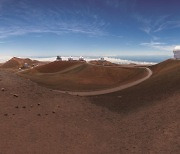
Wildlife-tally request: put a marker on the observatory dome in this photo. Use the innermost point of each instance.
(177, 52)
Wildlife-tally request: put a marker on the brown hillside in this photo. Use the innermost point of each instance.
(165, 66)
(76, 76)
(57, 66)
(18, 62)
(105, 63)
(164, 83)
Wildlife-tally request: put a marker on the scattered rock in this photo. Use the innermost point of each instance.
(16, 107)
(38, 104)
(2, 89)
(5, 114)
(31, 106)
(53, 112)
(15, 95)
(24, 107)
(39, 114)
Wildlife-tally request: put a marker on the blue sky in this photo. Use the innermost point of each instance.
(89, 27)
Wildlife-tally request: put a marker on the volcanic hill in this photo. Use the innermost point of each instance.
(15, 63)
(81, 76)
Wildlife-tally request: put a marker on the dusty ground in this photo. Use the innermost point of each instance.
(136, 120)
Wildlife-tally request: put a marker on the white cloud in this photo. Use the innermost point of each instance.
(153, 25)
(31, 19)
(159, 46)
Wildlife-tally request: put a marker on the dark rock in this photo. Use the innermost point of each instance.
(15, 95)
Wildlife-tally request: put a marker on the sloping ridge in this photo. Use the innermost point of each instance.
(163, 84)
(166, 67)
(166, 77)
(111, 90)
(18, 62)
(57, 66)
(80, 76)
(164, 81)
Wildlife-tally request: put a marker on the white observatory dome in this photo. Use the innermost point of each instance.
(177, 52)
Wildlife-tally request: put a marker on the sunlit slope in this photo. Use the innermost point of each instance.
(78, 76)
(17, 63)
(163, 84)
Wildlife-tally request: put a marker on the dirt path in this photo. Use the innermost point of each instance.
(107, 91)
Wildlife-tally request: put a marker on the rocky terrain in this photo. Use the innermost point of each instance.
(140, 119)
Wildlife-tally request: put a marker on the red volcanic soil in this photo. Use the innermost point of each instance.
(17, 63)
(141, 119)
(56, 66)
(164, 82)
(166, 66)
(80, 76)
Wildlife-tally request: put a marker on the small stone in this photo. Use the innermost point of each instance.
(23, 107)
(39, 114)
(53, 112)
(2, 89)
(39, 104)
(16, 107)
(5, 114)
(15, 95)
(31, 106)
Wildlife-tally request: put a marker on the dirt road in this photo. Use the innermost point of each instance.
(106, 91)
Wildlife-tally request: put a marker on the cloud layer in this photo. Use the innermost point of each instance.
(26, 18)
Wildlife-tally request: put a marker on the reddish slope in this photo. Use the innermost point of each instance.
(57, 66)
(76, 76)
(164, 83)
(166, 67)
(18, 62)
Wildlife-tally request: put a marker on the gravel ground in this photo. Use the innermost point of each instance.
(36, 120)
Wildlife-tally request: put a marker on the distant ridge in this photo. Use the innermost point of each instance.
(18, 62)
